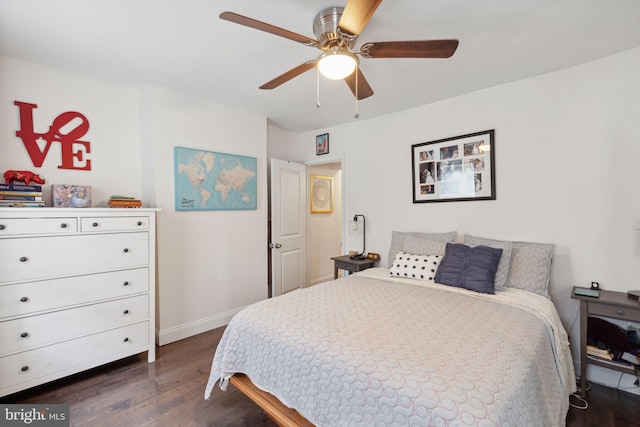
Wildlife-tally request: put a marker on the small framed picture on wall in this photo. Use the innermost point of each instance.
(322, 144)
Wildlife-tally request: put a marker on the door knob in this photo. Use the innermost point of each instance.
(275, 245)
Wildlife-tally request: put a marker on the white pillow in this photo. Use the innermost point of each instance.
(419, 267)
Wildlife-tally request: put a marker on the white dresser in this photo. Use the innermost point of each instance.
(77, 290)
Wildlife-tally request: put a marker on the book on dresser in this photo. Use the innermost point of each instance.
(16, 195)
(77, 290)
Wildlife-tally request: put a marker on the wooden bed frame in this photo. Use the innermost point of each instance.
(276, 410)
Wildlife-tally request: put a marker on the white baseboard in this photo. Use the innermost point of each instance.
(187, 330)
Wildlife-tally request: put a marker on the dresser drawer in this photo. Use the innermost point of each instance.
(47, 363)
(130, 223)
(31, 226)
(615, 311)
(36, 331)
(32, 297)
(57, 256)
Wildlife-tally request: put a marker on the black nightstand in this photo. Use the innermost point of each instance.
(345, 262)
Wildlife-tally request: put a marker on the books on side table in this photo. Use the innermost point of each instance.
(598, 353)
(21, 196)
(623, 357)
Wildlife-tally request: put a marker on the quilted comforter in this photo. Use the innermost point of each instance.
(369, 350)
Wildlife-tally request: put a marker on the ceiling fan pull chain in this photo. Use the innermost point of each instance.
(356, 114)
(317, 87)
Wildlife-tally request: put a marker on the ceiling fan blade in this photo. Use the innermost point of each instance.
(364, 90)
(356, 14)
(410, 49)
(262, 26)
(294, 72)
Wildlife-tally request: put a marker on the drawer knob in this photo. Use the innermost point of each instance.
(139, 222)
(126, 312)
(2, 227)
(24, 334)
(126, 340)
(23, 259)
(95, 224)
(125, 284)
(125, 250)
(620, 312)
(24, 368)
(24, 299)
(63, 225)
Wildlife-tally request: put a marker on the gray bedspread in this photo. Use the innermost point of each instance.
(369, 350)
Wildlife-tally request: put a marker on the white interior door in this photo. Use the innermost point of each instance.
(288, 226)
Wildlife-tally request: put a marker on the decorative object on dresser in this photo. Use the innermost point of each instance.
(12, 176)
(70, 196)
(77, 290)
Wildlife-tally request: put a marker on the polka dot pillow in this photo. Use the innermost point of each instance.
(420, 267)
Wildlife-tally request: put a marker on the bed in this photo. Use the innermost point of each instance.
(380, 347)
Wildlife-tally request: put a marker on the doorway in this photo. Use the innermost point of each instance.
(324, 237)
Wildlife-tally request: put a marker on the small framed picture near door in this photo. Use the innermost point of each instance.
(322, 144)
(321, 194)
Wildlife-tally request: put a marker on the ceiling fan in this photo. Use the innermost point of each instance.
(337, 30)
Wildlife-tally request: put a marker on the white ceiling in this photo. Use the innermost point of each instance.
(183, 45)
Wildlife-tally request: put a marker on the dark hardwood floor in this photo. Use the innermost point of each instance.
(170, 392)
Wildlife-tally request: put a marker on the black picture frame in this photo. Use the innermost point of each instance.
(322, 144)
(460, 168)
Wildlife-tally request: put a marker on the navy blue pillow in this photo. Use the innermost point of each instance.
(472, 268)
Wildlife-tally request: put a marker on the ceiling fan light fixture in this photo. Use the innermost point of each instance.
(337, 63)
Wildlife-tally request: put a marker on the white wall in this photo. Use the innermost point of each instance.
(210, 263)
(283, 145)
(567, 146)
(114, 127)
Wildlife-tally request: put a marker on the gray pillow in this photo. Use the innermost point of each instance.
(419, 246)
(472, 268)
(398, 238)
(505, 260)
(531, 267)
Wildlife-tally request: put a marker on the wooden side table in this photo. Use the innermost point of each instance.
(345, 262)
(611, 304)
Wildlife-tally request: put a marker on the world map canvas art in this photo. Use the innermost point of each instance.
(207, 180)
